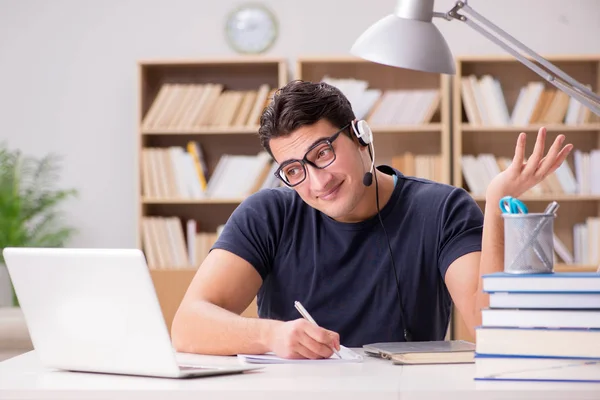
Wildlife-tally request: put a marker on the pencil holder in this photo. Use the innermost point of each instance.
(528, 243)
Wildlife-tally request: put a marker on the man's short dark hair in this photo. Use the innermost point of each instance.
(302, 103)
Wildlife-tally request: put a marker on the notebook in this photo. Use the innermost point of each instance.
(430, 352)
(347, 355)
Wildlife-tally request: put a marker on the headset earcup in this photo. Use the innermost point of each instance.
(363, 132)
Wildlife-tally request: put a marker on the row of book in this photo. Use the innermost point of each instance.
(585, 244)
(540, 327)
(479, 170)
(390, 107)
(586, 241)
(167, 246)
(178, 173)
(190, 106)
(485, 104)
(425, 166)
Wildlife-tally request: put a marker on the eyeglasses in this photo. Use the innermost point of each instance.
(320, 155)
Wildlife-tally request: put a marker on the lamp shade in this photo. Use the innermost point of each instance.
(405, 43)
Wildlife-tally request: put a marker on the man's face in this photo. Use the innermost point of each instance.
(337, 189)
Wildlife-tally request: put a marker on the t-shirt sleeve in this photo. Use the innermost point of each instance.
(252, 229)
(461, 228)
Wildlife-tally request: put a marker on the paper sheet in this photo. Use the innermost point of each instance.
(346, 354)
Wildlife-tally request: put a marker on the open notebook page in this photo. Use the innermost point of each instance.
(346, 354)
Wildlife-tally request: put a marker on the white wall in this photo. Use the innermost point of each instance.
(68, 73)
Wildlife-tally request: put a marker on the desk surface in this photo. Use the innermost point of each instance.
(23, 377)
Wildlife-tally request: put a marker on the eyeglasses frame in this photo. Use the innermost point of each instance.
(305, 160)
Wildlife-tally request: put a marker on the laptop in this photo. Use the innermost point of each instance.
(96, 310)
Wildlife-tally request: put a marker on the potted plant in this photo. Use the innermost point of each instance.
(29, 202)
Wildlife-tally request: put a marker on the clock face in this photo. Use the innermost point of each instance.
(251, 29)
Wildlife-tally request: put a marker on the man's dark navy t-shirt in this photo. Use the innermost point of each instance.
(342, 272)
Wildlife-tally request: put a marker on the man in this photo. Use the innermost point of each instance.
(371, 262)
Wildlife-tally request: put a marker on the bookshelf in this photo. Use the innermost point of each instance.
(416, 139)
(197, 129)
(494, 98)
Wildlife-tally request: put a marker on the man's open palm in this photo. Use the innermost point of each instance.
(521, 176)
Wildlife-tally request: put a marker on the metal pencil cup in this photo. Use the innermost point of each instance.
(528, 243)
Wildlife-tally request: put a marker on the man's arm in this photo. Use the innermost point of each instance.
(464, 276)
(208, 320)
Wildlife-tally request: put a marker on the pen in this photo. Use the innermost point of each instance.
(308, 317)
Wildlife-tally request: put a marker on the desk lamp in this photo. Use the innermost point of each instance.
(408, 39)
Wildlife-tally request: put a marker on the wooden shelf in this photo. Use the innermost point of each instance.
(499, 141)
(434, 127)
(204, 131)
(531, 128)
(437, 127)
(191, 201)
(220, 129)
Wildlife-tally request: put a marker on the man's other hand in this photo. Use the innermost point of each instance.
(523, 175)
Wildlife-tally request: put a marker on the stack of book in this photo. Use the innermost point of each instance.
(540, 327)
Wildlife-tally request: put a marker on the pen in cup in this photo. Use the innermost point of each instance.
(308, 317)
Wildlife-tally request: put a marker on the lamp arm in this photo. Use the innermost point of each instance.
(556, 76)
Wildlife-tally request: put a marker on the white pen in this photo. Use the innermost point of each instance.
(308, 317)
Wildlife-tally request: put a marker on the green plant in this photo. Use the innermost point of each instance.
(29, 202)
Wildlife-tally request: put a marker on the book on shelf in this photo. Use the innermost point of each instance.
(584, 163)
(479, 170)
(388, 107)
(167, 247)
(485, 104)
(191, 106)
(586, 241)
(177, 173)
(425, 166)
(539, 327)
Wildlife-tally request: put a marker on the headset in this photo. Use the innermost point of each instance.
(363, 133)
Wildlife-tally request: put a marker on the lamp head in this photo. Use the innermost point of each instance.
(407, 39)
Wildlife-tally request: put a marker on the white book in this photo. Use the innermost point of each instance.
(545, 300)
(543, 318)
(594, 166)
(178, 172)
(480, 101)
(562, 250)
(191, 227)
(519, 104)
(566, 179)
(366, 103)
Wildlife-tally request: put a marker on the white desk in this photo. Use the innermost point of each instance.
(22, 377)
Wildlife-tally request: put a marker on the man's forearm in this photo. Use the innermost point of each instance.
(208, 329)
(492, 252)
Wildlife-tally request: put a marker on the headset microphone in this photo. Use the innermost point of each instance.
(368, 178)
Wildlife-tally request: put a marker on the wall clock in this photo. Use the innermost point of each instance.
(251, 28)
